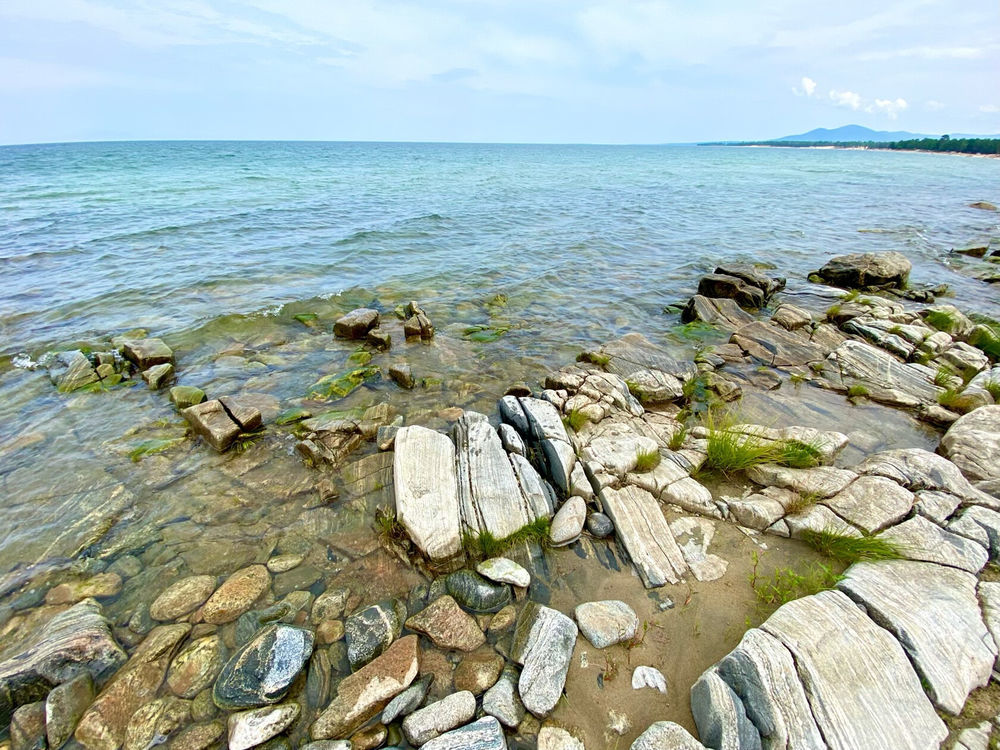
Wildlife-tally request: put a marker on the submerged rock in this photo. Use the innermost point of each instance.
(69, 371)
(146, 353)
(474, 592)
(543, 644)
(478, 672)
(435, 719)
(158, 376)
(183, 396)
(211, 420)
(408, 701)
(356, 324)
(402, 375)
(502, 700)
(182, 597)
(372, 630)
(251, 728)
(417, 323)
(450, 627)
(64, 706)
(196, 666)
(261, 672)
(972, 443)
(156, 722)
(236, 595)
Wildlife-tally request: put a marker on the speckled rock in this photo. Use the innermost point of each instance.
(64, 706)
(502, 700)
(251, 728)
(478, 672)
(448, 625)
(196, 666)
(485, 734)
(261, 672)
(182, 597)
(372, 630)
(474, 592)
(607, 623)
(156, 722)
(27, 727)
(100, 586)
(502, 570)
(236, 595)
(543, 644)
(431, 721)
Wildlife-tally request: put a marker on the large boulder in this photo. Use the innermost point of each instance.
(356, 324)
(861, 270)
(543, 644)
(972, 443)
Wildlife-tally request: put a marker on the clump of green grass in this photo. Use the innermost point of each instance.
(787, 584)
(594, 358)
(942, 377)
(484, 545)
(851, 549)
(949, 398)
(575, 420)
(816, 367)
(148, 447)
(797, 378)
(647, 460)
(802, 501)
(833, 311)
(943, 320)
(857, 391)
(676, 441)
(851, 295)
(992, 387)
(798, 455)
(388, 528)
(729, 451)
(247, 440)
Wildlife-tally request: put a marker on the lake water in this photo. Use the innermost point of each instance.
(216, 246)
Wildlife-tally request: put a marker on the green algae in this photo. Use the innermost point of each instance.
(295, 414)
(342, 384)
(485, 334)
(149, 447)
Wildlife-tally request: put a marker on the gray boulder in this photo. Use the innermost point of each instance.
(972, 443)
(543, 644)
(263, 670)
(356, 324)
(862, 270)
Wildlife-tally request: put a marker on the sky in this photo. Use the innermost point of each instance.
(571, 71)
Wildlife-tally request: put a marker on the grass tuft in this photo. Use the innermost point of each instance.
(803, 501)
(797, 378)
(992, 387)
(484, 545)
(647, 460)
(787, 584)
(677, 439)
(833, 311)
(388, 528)
(851, 549)
(575, 420)
(943, 320)
(942, 377)
(595, 358)
(247, 440)
(949, 398)
(857, 391)
(730, 451)
(799, 455)
(850, 296)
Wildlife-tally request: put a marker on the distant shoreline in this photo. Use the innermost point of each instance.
(847, 147)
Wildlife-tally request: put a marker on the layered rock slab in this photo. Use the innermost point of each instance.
(972, 443)
(861, 688)
(543, 644)
(426, 489)
(645, 534)
(934, 613)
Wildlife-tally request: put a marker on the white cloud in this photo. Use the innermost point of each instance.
(846, 99)
(989, 109)
(928, 53)
(933, 105)
(888, 107)
(808, 87)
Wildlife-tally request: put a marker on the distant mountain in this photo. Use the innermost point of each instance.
(849, 133)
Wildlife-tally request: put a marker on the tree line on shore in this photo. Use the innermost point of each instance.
(944, 144)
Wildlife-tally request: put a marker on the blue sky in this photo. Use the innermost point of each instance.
(608, 71)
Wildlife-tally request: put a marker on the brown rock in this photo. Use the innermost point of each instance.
(211, 420)
(198, 737)
(448, 625)
(370, 738)
(100, 586)
(27, 727)
(156, 721)
(182, 597)
(477, 673)
(64, 706)
(356, 324)
(196, 666)
(366, 692)
(246, 416)
(236, 595)
(329, 631)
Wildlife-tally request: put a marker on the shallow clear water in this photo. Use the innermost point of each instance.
(215, 246)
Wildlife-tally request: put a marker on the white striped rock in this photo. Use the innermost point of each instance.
(642, 529)
(720, 715)
(920, 539)
(665, 735)
(871, 503)
(485, 734)
(972, 443)
(543, 644)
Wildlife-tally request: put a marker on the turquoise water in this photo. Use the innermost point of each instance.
(216, 246)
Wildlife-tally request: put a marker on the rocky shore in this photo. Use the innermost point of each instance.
(631, 474)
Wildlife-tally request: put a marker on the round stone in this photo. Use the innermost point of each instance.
(567, 525)
(196, 666)
(182, 597)
(600, 525)
(263, 670)
(474, 592)
(607, 623)
(236, 595)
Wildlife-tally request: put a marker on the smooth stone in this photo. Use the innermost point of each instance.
(693, 536)
(433, 720)
(329, 605)
(448, 625)
(934, 613)
(502, 570)
(183, 396)
(606, 623)
(147, 352)
(972, 443)
(262, 671)
(665, 735)
(600, 525)
(642, 529)
(503, 619)
(502, 700)
(860, 270)
(64, 706)
(485, 734)
(719, 311)
(426, 491)
(236, 595)
(156, 722)
(372, 630)
(27, 727)
(761, 671)
(567, 525)
(861, 688)
(720, 715)
(251, 728)
(649, 677)
(73, 642)
(100, 586)
(158, 376)
(475, 593)
(197, 666)
(182, 597)
(543, 644)
(557, 738)
(360, 696)
(356, 324)
(328, 745)
(511, 440)
(920, 539)
(408, 701)
(284, 563)
(478, 672)
(918, 469)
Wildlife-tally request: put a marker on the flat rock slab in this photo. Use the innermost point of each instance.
(426, 488)
(920, 539)
(665, 735)
(448, 625)
(917, 469)
(489, 493)
(934, 613)
(761, 671)
(545, 426)
(356, 324)
(720, 715)
(821, 481)
(872, 503)
(543, 644)
(211, 420)
(717, 311)
(485, 734)
(861, 688)
(146, 353)
(643, 531)
(73, 642)
(693, 535)
(776, 346)
(880, 370)
(366, 692)
(972, 443)
(860, 270)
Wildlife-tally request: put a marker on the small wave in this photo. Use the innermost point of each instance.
(23, 361)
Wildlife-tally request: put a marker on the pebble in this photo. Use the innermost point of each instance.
(196, 666)
(429, 722)
(649, 677)
(474, 592)
(236, 595)
(182, 597)
(600, 525)
(567, 525)
(478, 672)
(502, 700)
(607, 623)
(408, 701)
(502, 570)
(284, 563)
(261, 672)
